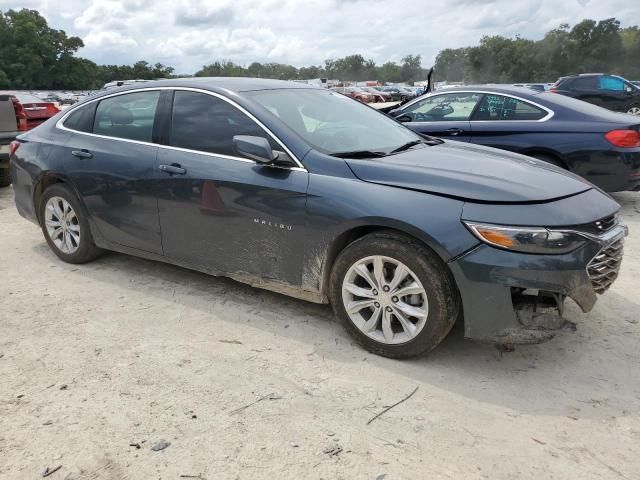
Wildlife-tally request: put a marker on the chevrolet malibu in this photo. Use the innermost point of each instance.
(306, 192)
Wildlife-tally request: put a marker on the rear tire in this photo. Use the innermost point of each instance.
(65, 226)
(5, 177)
(389, 317)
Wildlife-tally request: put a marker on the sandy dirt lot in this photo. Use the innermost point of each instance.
(101, 362)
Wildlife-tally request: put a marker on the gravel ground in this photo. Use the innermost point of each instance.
(101, 362)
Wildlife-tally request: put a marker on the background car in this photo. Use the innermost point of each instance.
(398, 93)
(380, 96)
(19, 112)
(608, 91)
(299, 190)
(357, 94)
(600, 145)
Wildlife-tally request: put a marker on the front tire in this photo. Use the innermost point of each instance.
(634, 110)
(394, 295)
(65, 226)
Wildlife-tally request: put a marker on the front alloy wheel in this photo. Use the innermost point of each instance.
(635, 110)
(385, 300)
(393, 294)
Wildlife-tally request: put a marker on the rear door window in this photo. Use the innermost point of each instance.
(500, 107)
(451, 107)
(206, 123)
(584, 83)
(128, 116)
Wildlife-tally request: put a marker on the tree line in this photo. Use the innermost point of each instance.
(36, 56)
(589, 46)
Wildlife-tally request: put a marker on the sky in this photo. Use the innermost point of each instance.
(187, 34)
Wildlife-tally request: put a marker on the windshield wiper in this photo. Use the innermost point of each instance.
(359, 154)
(407, 146)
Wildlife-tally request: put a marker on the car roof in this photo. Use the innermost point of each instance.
(494, 88)
(230, 84)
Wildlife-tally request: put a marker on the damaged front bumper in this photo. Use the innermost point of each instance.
(514, 298)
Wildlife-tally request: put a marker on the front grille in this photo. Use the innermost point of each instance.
(599, 226)
(603, 269)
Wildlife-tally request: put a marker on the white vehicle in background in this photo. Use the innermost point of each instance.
(120, 83)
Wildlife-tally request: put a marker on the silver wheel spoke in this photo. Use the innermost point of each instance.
(359, 291)
(399, 274)
(410, 310)
(364, 272)
(378, 271)
(386, 327)
(56, 233)
(356, 306)
(371, 324)
(411, 289)
(408, 327)
(74, 228)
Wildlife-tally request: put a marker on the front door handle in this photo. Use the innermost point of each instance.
(173, 169)
(454, 131)
(82, 153)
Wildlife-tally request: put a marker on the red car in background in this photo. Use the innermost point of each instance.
(359, 94)
(19, 112)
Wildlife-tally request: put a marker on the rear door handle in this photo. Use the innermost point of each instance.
(173, 169)
(82, 153)
(454, 131)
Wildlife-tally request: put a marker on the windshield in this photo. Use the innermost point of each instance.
(332, 123)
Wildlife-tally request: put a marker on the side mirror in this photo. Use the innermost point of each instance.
(629, 89)
(255, 148)
(404, 118)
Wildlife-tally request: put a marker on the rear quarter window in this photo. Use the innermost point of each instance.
(81, 119)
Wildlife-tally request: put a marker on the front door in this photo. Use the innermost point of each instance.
(220, 211)
(444, 115)
(113, 166)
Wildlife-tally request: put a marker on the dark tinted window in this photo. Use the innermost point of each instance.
(207, 123)
(584, 83)
(81, 119)
(499, 107)
(127, 116)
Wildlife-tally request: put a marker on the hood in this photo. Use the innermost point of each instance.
(471, 172)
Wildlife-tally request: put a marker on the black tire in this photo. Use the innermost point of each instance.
(5, 177)
(549, 159)
(86, 249)
(442, 294)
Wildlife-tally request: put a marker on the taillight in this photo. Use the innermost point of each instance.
(553, 90)
(623, 138)
(13, 147)
(52, 109)
(21, 115)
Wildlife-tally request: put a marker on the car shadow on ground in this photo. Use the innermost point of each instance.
(571, 375)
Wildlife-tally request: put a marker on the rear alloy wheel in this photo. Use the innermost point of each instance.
(393, 294)
(64, 226)
(635, 110)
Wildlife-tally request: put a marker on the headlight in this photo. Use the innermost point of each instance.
(527, 239)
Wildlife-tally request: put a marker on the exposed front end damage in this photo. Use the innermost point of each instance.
(512, 298)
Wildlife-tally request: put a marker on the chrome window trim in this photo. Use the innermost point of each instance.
(60, 125)
(550, 113)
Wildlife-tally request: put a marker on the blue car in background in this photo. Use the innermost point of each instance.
(598, 144)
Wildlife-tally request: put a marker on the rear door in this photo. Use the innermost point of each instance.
(111, 160)
(508, 123)
(220, 211)
(444, 115)
(615, 94)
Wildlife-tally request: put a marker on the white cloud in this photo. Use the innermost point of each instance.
(189, 33)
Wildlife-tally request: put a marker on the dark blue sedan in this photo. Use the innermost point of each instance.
(600, 145)
(306, 192)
